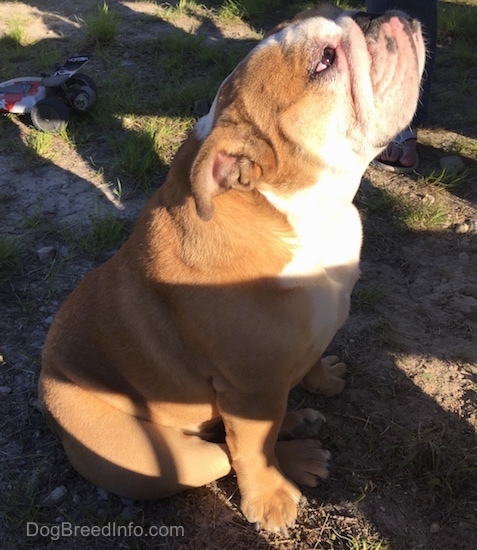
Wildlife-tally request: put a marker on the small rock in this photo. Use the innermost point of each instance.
(428, 199)
(57, 495)
(35, 404)
(22, 382)
(5, 390)
(128, 513)
(434, 528)
(49, 211)
(465, 304)
(46, 254)
(103, 494)
(452, 164)
(461, 228)
(463, 257)
(472, 223)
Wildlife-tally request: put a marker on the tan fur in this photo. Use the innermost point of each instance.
(235, 279)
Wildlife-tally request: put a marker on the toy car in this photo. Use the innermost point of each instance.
(49, 99)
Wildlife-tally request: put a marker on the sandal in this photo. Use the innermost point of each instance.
(399, 142)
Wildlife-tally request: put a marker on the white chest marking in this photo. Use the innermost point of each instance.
(328, 232)
(326, 255)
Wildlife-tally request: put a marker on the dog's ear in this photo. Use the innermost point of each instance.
(224, 164)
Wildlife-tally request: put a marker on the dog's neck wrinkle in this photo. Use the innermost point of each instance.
(237, 251)
(232, 247)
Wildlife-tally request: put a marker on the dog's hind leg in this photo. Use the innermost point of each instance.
(127, 455)
(326, 376)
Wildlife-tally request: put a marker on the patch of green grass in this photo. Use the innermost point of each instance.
(21, 503)
(10, 258)
(351, 4)
(207, 66)
(424, 215)
(445, 179)
(404, 212)
(123, 91)
(464, 51)
(145, 148)
(106, 233)
(366, 298)
(135, 155)
(257, 11)
(182, 7)
(426, 455)
(47, 55)
(169, 134)
(102, 26)
(456, 20)
(387, 335)
(39, 145)
(15, 36)
(357, 543)
(379, 201)
(231, 12)
(39, 222)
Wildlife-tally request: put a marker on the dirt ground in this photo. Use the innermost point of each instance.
(403, 432)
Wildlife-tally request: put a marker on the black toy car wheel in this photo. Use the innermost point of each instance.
(81, 90)
(84, 99)
(50, 115)
(81, 79)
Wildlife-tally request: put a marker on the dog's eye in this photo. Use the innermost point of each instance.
(327, 59)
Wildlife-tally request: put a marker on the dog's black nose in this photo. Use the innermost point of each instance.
(367, 21)
(363, 19)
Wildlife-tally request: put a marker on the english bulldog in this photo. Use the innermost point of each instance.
(237, 275)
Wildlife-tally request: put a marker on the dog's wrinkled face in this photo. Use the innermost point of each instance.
(333, 85)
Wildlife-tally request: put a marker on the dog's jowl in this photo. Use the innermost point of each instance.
(237, 276)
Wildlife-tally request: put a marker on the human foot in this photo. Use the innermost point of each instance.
(400, 155)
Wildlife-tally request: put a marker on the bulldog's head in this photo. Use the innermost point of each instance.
(326, 91)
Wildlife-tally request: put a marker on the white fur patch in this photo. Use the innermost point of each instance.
(326, 252)
(327, 228)
(204, 125)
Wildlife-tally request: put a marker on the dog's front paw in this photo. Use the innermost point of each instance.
(274, 505)
(326, 376)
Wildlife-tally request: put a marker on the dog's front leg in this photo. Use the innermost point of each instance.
(252, 423)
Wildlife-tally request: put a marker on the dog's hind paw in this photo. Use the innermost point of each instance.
(301, 424)
(303, 460)
(326, 376)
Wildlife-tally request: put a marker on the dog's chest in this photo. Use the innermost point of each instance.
(326, 252)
